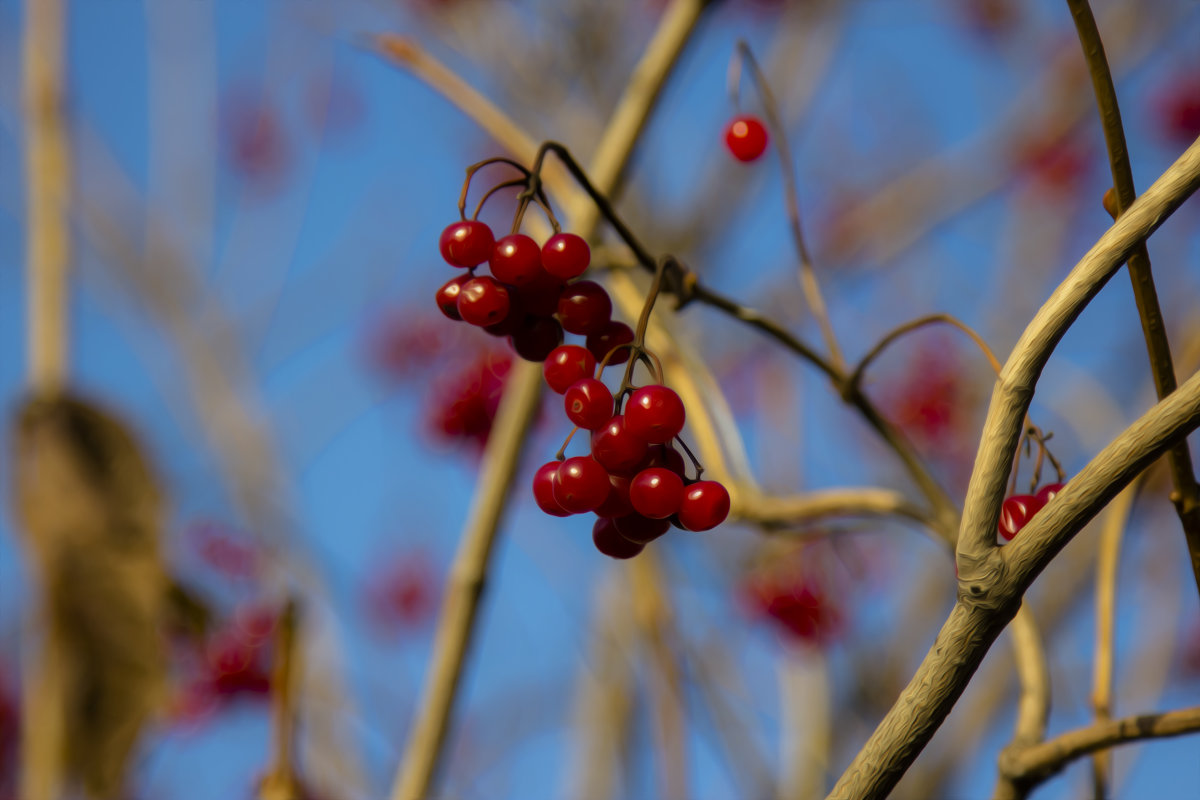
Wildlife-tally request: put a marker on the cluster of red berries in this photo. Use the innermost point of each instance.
(634, 479)
(528, 297)
(1018, 509)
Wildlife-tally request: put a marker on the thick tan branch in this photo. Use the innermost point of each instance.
(1014, 389)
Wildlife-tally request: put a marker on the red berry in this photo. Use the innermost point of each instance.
(617, 503)
(482, 301)
(610, 542)
(705, 506)
(467, 243)
(566, 255)
(616, 448)
(536, 338)
(540, 296)
(642, 530)
(610, 336)
(584, 308)
(447, 296)
(516, 259)
(1015, 512)
(1047, 493)
(589, 404)
(566, 365)
(654, 413)
(543, 489)
(746, 137)
(656, 492)
(582, 485)
(514, 319)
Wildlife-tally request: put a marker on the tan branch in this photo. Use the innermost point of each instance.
(519, 404)
(48, 181)
(1033, 765)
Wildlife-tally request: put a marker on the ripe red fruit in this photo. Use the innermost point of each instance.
(616, 448)
(581, 485)
(610, 542)
(642, 530)
(536, 338)
(654, 413)
(611, 335)
(516, 259)
(705, 505)
(1015, 512)
(584, 308)
(589, 404)
(566, 256)
(482, 301)
(1047, 493)
(656, 492)
(540, 296)
(664, 455)
(543, 489)
(566, 365)
(617, 503)
(467, 243)
(746, 137)
(447, 296)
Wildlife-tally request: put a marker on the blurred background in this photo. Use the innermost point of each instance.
(256, 200)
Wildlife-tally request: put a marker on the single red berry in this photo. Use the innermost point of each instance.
(746, 137)
(654, 413)
(617, 503)
(610, 542)
(664, 455)
(1047, 493)
(642, 530)
(514, 319)
(584, 307)
(447, 296)
(482, 301)
(566, 365)
(516, 259)
(566, 256)
(656, 492)
(540, 296)
(467, 243)
(536, 338)
(589, 404)
(616, 448)
(543, 489)
(611, 335)
(1015, 512)
(705, 506)
(582, 485)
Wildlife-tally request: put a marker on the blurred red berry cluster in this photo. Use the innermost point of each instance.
(402, 595)
(794, 594)
(228, 664)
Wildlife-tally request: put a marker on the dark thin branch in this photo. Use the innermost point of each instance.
(1186, 494)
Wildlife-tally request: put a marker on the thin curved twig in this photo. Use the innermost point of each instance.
(787, 171)
(1036, 764)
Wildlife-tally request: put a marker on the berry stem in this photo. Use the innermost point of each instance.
(691, 456)
(808, 275)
